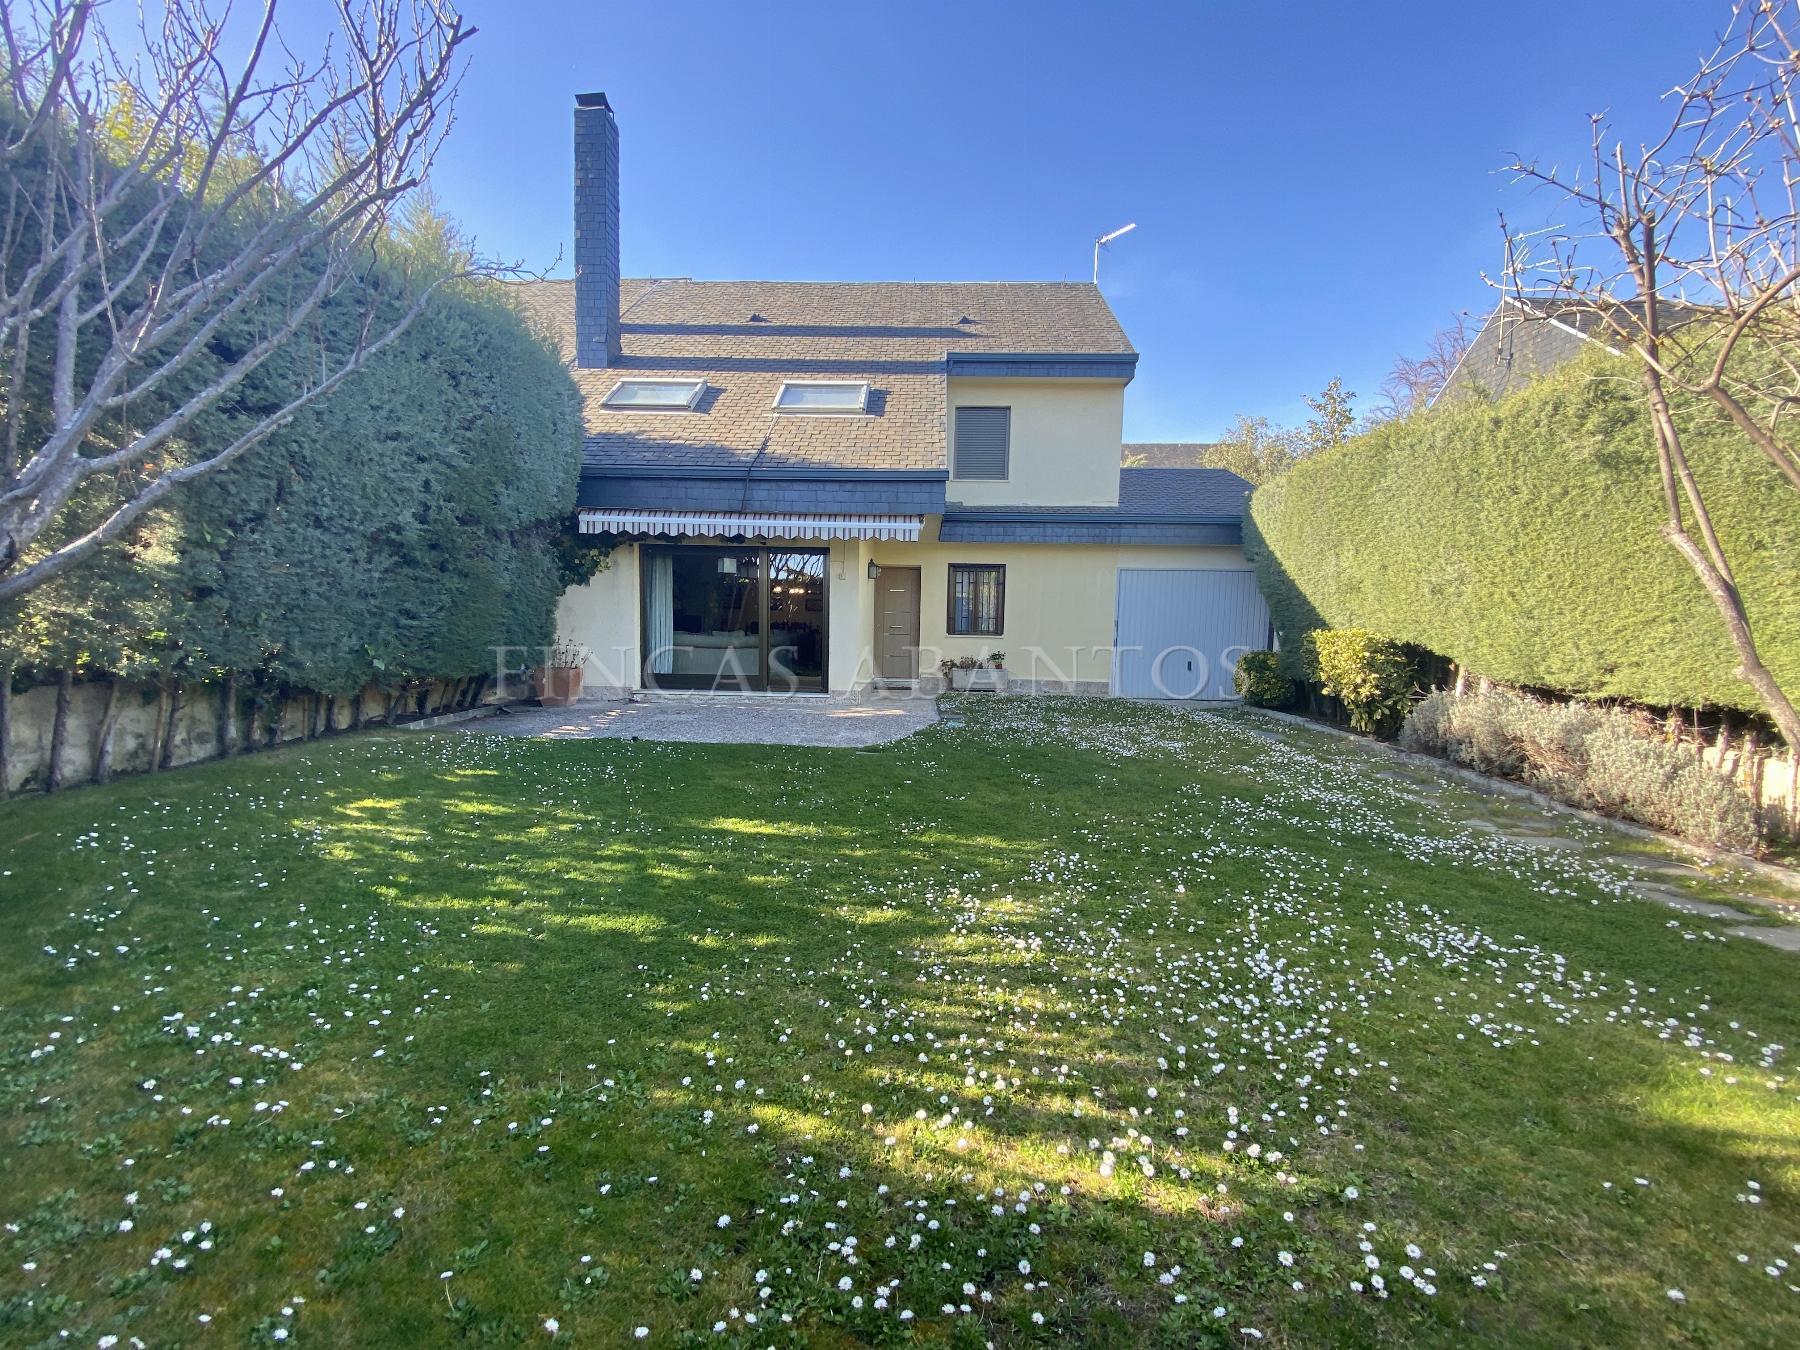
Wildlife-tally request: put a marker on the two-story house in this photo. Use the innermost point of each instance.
(820, 486)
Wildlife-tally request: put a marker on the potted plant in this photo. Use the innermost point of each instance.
(980, 674)
(558, 681)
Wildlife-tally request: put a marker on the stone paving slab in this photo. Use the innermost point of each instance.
(1786, 936)
(726, 720)
(1665, 867)
(1786, 902)
(1687, 904)
(1535, 840)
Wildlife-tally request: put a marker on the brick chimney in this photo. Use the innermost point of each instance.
(596, 232)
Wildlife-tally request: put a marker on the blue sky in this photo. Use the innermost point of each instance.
(1315, 185)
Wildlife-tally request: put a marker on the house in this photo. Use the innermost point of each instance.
(823, 487)
(1523, 338)
(1520, 340)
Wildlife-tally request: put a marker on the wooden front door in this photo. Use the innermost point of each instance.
(897, 624)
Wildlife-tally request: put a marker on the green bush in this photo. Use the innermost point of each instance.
(1591, 757)
(1521, 540)
(1367, 673)
(1259, 681)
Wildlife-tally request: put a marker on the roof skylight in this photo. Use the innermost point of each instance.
(823, 396)
(664, 395)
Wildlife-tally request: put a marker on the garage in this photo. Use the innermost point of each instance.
(1179, 633)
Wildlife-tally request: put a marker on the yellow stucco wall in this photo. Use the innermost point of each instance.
(1065, 441)
(1059, 601)
(847, 610)
(601, 615)
(1059, 608)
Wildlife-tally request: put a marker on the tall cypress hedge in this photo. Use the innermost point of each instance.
(1521, 540)
(401, 528)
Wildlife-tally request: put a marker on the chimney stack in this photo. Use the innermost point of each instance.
(596, 232)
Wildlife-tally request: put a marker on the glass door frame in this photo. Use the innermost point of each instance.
(806, 684)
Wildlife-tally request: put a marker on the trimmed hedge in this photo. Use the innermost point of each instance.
(1521, 540)
(399, 530)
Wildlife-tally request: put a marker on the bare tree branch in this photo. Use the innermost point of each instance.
(153, 207)
(1699, 232)
(1415, 381)
(121, 519)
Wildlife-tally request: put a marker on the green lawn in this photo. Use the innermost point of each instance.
(1080, 1021)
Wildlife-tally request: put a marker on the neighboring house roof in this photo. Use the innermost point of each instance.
(746, 337)
(1523, 339)
(1520, 341)
(1156, 506)
(1165, 454)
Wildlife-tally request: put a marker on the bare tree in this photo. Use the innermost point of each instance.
(1415, 381)
(1699, 236)
(148, 205)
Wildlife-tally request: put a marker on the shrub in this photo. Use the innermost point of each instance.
(1590, 757)
(1522, 540)
(1259, 681)
(1468, 730)
(1369, 674)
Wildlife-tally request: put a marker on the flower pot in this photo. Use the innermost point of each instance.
(557, 686)
(982, 679)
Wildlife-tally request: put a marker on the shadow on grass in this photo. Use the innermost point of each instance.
(603, 941)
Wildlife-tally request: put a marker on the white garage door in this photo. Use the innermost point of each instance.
(1180, 633)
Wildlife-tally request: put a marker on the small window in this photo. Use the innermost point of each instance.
(667, 395)
(977, 600)
(823, 396)
(983, 443)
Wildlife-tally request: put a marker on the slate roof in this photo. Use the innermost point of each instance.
(1212, 493)
(1162, 494)
(1517, 343)
(1165, 454)
(1520, 341)
(745, 337)
(1202, 507)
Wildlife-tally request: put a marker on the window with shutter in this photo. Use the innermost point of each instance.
(983, 443)
(977, 600)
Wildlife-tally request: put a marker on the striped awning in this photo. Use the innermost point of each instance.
(727, 524)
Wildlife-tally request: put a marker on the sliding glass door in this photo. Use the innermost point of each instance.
(733, 617)
(796, 620)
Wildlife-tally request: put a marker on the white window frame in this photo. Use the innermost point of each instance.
(860, 410)
(693, 399)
